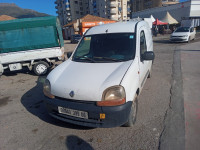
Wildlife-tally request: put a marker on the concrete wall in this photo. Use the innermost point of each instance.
(178, 11)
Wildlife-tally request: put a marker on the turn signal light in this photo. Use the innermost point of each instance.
(48, 94)
(111, 102)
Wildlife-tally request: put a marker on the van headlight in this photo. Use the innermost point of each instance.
(113, 96)
(47, 89)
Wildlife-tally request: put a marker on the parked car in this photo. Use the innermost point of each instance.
(75, 38)
(99, 84)
(183, 34)
(35, 43)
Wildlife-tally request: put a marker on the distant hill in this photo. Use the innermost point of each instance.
(13, 10)
(5, 17)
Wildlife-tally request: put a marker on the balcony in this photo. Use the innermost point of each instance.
(56, 7)
(113, 11)
(113, 17)
(113, 4)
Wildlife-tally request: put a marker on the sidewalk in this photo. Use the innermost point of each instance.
(190, 66)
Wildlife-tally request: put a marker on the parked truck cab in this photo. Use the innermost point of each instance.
(36, 43)
(99, 84)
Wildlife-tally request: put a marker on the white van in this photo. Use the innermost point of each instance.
(99, 84)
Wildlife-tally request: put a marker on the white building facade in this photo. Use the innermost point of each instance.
(178, 11)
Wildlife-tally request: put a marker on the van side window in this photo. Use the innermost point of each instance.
(143, 45)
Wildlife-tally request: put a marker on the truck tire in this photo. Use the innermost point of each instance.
(41, 68)
(133, 113)
(1, 69)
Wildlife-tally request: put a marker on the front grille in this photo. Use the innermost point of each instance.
(73, 100)
(177, 36)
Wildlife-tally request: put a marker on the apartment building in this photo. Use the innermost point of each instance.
(69, 10)
(112, 9)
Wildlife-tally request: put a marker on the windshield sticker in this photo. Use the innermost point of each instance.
(131, 36)
(87, 38)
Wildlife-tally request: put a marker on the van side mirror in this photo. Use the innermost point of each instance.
(148, 55)
(69, 54)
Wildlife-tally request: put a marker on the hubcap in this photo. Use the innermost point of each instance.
(41, 69)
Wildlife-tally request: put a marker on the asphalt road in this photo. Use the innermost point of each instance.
(25, 124)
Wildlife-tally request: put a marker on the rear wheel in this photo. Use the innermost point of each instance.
(133, 113)
(41, 68)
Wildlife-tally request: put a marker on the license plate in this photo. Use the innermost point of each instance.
(14, 67)
(73, 112)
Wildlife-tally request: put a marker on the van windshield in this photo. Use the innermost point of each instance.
(112, 47)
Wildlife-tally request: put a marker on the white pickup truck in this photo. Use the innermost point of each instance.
(36, 43)
(99, 84)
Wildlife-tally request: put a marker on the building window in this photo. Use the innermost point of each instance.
(77, 12)
(76, 2)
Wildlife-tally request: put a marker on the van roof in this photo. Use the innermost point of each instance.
(119, 27)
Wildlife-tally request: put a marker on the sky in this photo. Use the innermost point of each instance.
(43, 6)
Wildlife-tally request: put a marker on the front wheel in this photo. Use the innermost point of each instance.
(133, 113)
(41, 68)
(188, 40)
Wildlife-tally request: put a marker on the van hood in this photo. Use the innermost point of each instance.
(87, 80)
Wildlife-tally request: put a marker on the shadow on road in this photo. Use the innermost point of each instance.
(162, 41)
(33, 102)
(7, 72)
(75, 143)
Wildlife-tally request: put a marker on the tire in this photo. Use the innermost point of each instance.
(41, 68)
(194, 37)
(150, 73)
(133, 113)
(188, 40)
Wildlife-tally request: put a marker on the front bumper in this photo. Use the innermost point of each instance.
(179, 39)
(114, 115)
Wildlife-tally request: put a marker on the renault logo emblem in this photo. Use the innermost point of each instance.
(71, 93)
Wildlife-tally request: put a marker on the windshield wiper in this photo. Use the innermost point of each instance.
(85, 58)
(108, 58)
